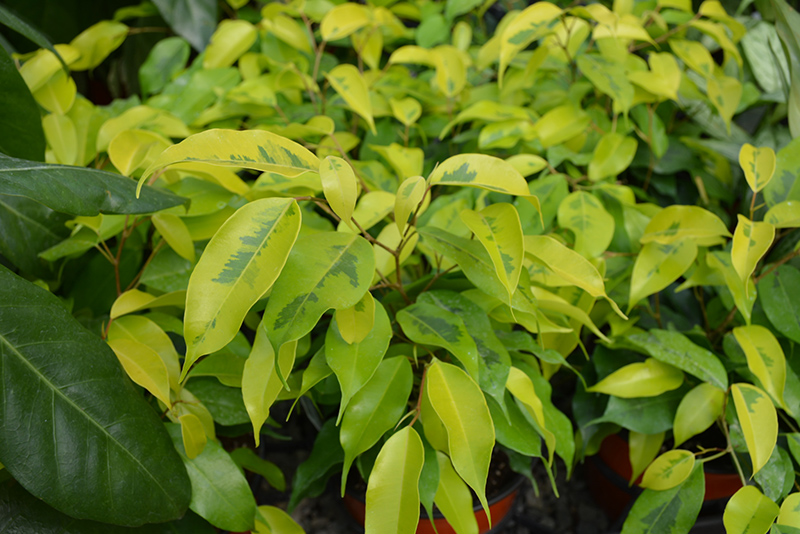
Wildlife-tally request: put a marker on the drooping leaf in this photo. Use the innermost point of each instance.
(352, 87)
(759, 422)
(646, 379)
(79, 191)
(697, 411)
(657, 266)
(749, 510)
(325, 459)
(174, 231)
(240, 263)
(668, 470)
(460, 405)
(356, 322)
(80, 397)
(393, 487)
(141, 329)
(743, 292)
(409, 195)
(220, 493)
(144, 366)
(643, 448)
(21, 134)
(375, 409)
(193, 436)
(758, 165)
(592, 225)
(765, 358)
(247, 459)
(454, 499)
(751, 240)
(354, 363)
(324, 270)
(96, 43)
(251, 149)
(521, 386)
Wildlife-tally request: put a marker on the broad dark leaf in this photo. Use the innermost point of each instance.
(779, 293)
(73, 429)
(78, 190)
(194, 20)
(26, 229)
(646, 415)
(326, 457)
(21, 133)
(11, 20)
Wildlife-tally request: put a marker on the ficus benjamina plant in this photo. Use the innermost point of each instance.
(430, 227)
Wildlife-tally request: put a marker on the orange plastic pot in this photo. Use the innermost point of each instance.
(499, 507)
(609, 471)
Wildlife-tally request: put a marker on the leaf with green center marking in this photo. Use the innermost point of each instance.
(144, 366)
(220, 493)
(790, 511)
(406, 110)
(250, 149)
(749, 512)
(758, 165)
(780, 296)
(354, 363)
(784, 214)
(340, 186)
(174, 231)
(451, 72)
(356, 322)
(561, 124)
(744, 293)
(586, 217)
(484, 172)
(342, 20)
(569, 265)
(430, 325)
(260, 380)
(678, 350)
(643, 448)
(240, 263)
(668, 470)
(765, 358)
(751, 240)
(609, 77)
(350, 84)
(460, 405)
(672, 511)
(642, 379)
(530, 24)
(375, 409)
(498, 228)
(324, 270)
(612, 155)
(725, 93)
(759, 422)
(521, 386)
(409, 195)
(454, 499)
(393, 487)
(657, 266)
(675, 223)
(697, 411)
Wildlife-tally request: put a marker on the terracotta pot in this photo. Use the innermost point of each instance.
(608, 473)
(499, 507)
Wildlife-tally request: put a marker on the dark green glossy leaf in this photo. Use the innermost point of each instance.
(92, 428)
(220, 493)
(779, 293)
(26, 229)
(776, 478)
(646, 415)
(79, 191)
(325, 459)
(21, 133)
(9, 19)
(247, 459)
(225, 403)
(671, 511)
(194, 20)
(515, 431)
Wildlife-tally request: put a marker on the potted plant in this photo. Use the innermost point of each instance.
(414, 226)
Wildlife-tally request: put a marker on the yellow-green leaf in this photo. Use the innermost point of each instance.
(759, 422)
(290, 31)
(676, 222)
(460, 404)
(592, 225)
(749, 512)
(141, 118)
(174, 231)
(231, 39)
(144, 366)
(409, 195)
(499, 229)
(368, 42)
(406, 110)
(668, 470)
(751, 240)
(568, 265)
(405, 161)
(521, 386)
(743, 292)
(131, 150)
(352, 87)
(355, 323)
(58, 94)
(784, 215)
(372, 207)
(642, 379)
(643, 448)
(663, 78)
(790, 511)
(260, 381)
(278, 522)
(765, 358)
(142, 329)
(482, 171)
(451, 72)
(193, 435)
(393, 487)
(135, 300)
(340, 186)
(697, 411)
(695, 55)
(97, 42)
(59, 130)
(725, 93)
(251, 149)
(454, 499)
(530, 24)
(561, 124)
(342, 20)
(758, 165)
(612, 155)
(385, 262)
(657, 266)
(240, 263)
(527, 164)
(44, 64)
